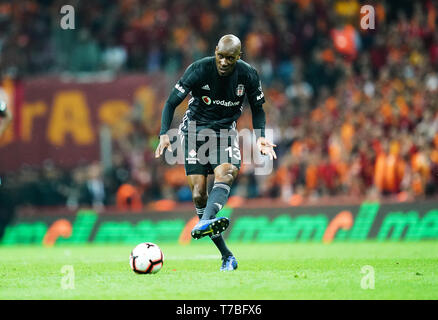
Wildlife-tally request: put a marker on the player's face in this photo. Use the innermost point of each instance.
(226, 59)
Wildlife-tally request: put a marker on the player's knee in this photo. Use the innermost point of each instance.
(226, 174)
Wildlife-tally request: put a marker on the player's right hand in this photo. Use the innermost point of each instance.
(164, 143)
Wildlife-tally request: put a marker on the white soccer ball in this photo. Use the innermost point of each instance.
(146, 257)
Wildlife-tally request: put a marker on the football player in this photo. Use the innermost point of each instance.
(218, 85)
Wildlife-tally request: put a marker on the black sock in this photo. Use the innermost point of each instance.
(217, 198)
(217, 239)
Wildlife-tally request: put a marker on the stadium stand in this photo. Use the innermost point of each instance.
(354, 111)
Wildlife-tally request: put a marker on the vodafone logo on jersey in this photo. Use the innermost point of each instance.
(226, 103)
(206, 100)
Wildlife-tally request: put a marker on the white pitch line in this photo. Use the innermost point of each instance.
(197, 257)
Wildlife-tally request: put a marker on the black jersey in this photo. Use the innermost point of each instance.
(217, 101)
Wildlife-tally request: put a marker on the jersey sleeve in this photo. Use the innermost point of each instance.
(177, 95)
(187, 81)
(256, 98)
(255, 92)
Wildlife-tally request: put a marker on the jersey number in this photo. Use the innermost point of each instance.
(236, 153)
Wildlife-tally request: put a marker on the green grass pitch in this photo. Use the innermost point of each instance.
(400, 270)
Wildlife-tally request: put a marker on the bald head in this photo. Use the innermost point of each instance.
(227, 53)
(229, 42)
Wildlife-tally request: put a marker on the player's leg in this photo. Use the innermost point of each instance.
(225, 168)
(224, 176)
(196, 173)
(209, 224)
(198, 186)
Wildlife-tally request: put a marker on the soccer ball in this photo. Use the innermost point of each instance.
(146, 257)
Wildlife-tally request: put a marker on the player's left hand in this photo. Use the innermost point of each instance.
(266, 147)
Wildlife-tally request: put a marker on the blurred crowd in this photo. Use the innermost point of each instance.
(354, 112)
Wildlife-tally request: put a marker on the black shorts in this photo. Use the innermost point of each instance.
(203, 154)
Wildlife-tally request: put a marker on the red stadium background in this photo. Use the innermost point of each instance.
(60, 119)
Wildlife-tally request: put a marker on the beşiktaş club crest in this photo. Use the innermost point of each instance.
(240, 90)
(206, 100)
